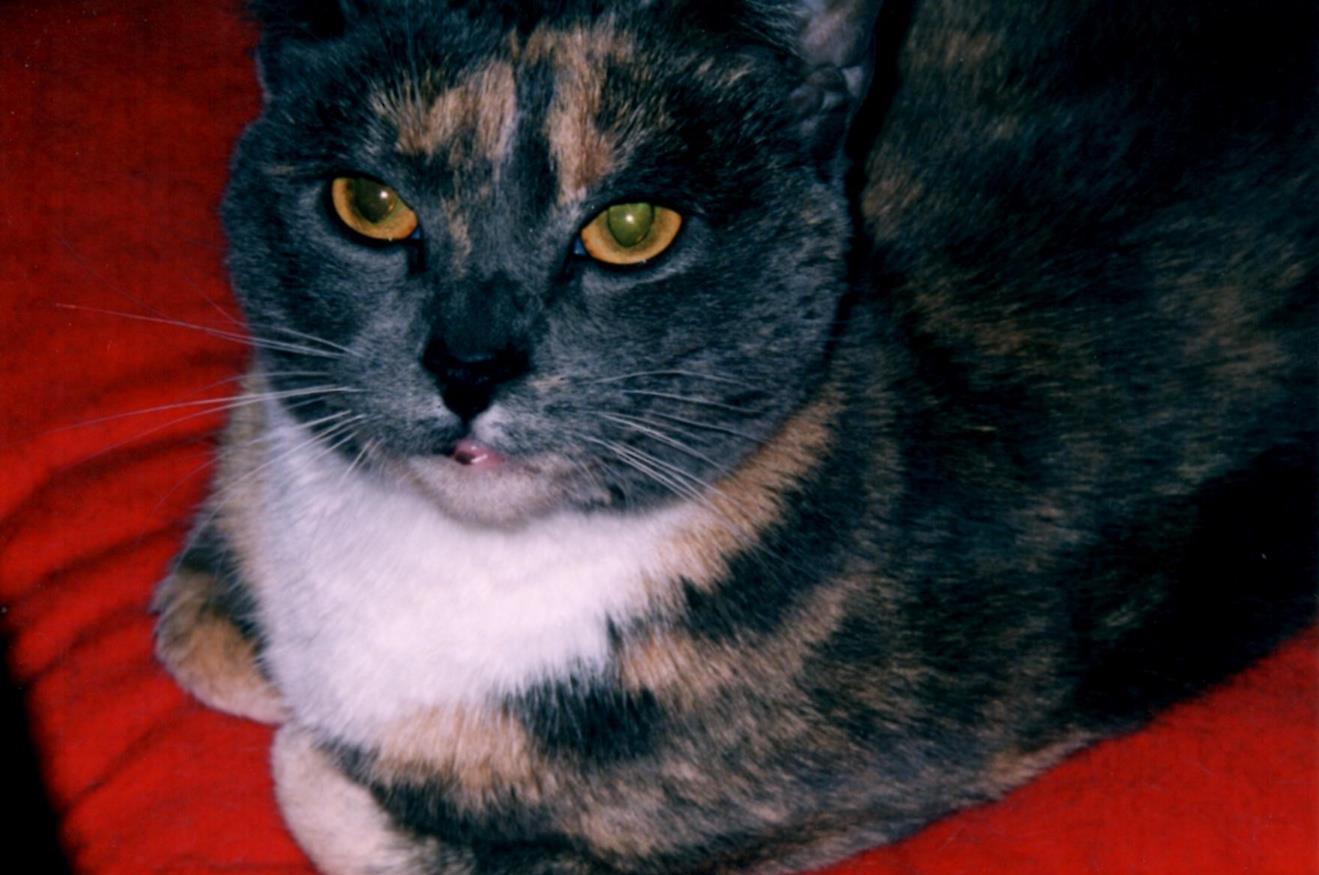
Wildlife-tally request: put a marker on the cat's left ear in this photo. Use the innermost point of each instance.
(291, 30)
(835, 40)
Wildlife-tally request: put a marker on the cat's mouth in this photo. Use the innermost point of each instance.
(474, 482)
(473, 454)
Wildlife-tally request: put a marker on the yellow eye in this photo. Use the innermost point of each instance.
(372, 208)
(630, 233)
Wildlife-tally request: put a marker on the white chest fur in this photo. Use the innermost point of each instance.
(378, 606)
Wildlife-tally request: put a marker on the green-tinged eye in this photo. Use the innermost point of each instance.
(372, 208)
(630, 223)
(630, 233)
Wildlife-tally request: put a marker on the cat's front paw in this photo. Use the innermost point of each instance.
(206, 651)
(338, 822)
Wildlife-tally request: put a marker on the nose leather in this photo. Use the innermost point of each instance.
(468, 380)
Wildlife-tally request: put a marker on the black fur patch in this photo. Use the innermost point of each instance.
(591, 720)
(208, 552)
(1241, 578)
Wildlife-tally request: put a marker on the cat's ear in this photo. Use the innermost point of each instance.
(290, 28)
(835, 40)
(838, 35)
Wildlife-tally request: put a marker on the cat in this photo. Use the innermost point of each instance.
(719, 438)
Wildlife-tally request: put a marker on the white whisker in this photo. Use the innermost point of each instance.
(223, 405)
(232, 336)
(216, 403)
(662, 437)
(683, 399)
(695, 375)
(312, 338)
(674, 479)
(705, 425)
(337, 429)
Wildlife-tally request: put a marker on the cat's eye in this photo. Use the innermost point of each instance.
(630, 233)
(372, 208)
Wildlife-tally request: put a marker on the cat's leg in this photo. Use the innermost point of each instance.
(204, 636)
(338, 822)
(342, 827)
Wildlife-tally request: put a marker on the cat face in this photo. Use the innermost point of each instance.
(479, 345)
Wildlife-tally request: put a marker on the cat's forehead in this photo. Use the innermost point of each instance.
(470, 113)
(584, 97)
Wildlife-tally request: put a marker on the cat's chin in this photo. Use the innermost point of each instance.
(485, 488)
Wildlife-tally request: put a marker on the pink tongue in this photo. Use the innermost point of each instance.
(469, 452)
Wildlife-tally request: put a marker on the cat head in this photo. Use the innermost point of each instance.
(547, 255)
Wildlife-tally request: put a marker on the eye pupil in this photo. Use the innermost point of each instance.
(372, 201)
(630, 223)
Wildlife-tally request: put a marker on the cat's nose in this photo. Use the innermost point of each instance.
(468, 379)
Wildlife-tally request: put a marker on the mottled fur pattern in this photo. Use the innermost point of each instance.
(972, 417)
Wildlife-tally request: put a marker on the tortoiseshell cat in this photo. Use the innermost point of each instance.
(718, 437)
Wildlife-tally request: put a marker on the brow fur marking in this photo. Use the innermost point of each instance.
(476, 118)
(582, 151)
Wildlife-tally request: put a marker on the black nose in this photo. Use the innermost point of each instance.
(468, 379)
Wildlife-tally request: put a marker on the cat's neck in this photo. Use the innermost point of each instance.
(377, 604)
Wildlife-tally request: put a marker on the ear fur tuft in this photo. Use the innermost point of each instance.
(292, 28)
(301, 19)
(835, 41)
(839, 35)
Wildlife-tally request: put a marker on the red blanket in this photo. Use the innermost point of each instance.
(116, 120)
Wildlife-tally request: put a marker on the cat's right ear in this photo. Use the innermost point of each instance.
(291, 28)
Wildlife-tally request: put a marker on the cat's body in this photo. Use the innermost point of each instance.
(794, 537)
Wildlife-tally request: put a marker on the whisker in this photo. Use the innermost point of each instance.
(683, 399)
(74, 255)
(338, 436)
(339, 426)
(227, 405)
(622, 454)
(352, 466)
(667, 439)
(674, 373)
(221, 492)
(689, 432)
(218, 402)
(723, 514)
(694, 423)
(697, 485)
(673, 478)
(685, 485)
(313, 338)
(230, 444)
(232, 336)
(749, 543)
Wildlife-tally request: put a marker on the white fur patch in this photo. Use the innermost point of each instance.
(336, 820)
(378, 606)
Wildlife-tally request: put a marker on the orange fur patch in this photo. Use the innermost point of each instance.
(582, 151)
(480, 111)
(747, 502)
(479, 751)
(206, 653)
